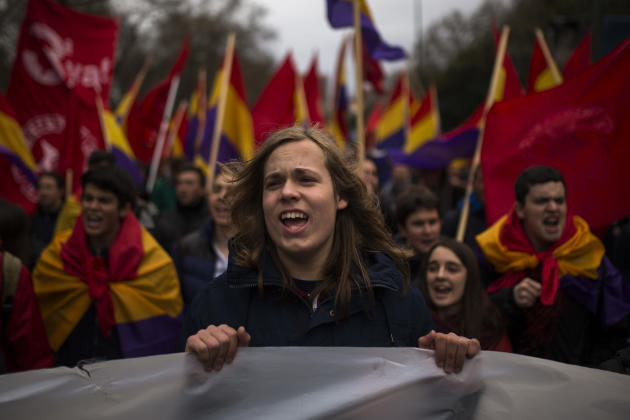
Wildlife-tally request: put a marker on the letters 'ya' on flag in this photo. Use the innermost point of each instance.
(237, 134)
(540, 76)
(145, 118)
(425, 122)
(390, 129)
(580, 58)
(340, 15)
(63, 59)
(279, 104)
(338, 125)
(17, 166)
(580, 127)
(312, 94)
(508, 86)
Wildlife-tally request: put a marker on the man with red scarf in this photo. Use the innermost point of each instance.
(561, 297)
(106, 289)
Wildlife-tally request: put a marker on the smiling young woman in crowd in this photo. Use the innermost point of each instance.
(451, 284)
(312, 264)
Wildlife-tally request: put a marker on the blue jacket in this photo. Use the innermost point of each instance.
(280, 317)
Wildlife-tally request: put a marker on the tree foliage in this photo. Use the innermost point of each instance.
(457, 53)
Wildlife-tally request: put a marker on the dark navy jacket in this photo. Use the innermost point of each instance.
(194, 259)
(283, 318)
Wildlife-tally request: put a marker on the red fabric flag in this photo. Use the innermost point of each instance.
(372, 71)
(63, 58)
(313, 97)
(580, 128)
(580, 58)
(511, 86)
(537, 66)
(145, 118)
(276, 108)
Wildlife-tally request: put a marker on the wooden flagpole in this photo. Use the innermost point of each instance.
(161, 139)
(498, 62)
(135, 87)
(218, 121)
(174, 128)
(101, 120)
(358, 66)
(555, 73)
(202, 108)
(299, 84)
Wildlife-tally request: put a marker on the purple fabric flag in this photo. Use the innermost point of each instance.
(340, 15)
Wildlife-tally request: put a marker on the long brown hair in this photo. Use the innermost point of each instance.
(478, 317)
(359, 228)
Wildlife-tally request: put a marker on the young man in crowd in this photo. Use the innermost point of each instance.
(419, 223)
(203, 255)
(106, 289)
(191, 211)
(50, 193)
(561, 297)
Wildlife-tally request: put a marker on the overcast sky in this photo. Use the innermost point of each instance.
(302, 26)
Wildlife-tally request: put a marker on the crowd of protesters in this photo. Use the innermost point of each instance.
(298, 248)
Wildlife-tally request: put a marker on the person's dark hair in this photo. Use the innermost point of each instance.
(54, 175)
(535, 175)
(14, 226)
(413, 199)
(359, 228)
(112, 179)
(99, 158)
(478, 315)
(190, 168)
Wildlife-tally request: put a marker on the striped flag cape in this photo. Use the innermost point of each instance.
(135, 289)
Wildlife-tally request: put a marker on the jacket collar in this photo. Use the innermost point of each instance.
(381, 270)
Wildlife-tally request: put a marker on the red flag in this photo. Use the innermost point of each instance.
(313, 97)
(276, 107)
(540, 76)
(510, 85)
(63, 58)
(580, 128)
(145, 118)
(580, 58)
(372, 71)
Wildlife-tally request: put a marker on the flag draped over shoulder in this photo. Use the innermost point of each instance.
(279, 104)
(237, 135)
(64, 58)
(338, 125)
(580, 58)
(540, 76)
(390, 129)
(143, 123)
(580, 128)
(17, 166)
(135, 289)
(340, 15)
(312, 94)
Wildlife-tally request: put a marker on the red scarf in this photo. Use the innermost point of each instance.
(124, 256)
(514, 238)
